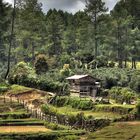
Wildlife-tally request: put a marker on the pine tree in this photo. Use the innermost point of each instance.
(94, 8)
(4, 25)
(54, 28)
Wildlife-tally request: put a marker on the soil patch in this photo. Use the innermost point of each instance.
(22, 129)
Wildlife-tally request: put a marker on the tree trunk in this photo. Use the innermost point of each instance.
(125, 63)
(120, 61)
(134, 63)
(11, 39)
(33, 51)
(95, 30)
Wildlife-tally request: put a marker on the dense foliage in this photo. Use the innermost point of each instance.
(83, 39)
(122, 95)
(48, 47)
(73, 102)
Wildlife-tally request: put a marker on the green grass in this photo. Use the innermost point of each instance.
(119, 105)
(12, 110)
(50, 135)
(16, 89)
(8, 107)
(68, 110)
(21, 122)
(118, 131)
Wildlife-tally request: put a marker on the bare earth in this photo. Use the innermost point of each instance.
(133, 123)
(23, 129)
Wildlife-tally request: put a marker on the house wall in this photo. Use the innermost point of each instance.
(83, 87)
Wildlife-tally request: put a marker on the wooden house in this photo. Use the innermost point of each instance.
(83, 85)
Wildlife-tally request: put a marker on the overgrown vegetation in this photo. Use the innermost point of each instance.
(122, 95)
(76, 103)
(54, 126)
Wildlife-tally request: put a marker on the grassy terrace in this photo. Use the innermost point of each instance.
(69, 110)
(8, 108)
(119, 105)
(16, 89)
(74, 106)
(21, 122)
(43, 135)
(118, 131)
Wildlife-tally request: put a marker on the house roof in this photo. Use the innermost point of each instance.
(76, 77)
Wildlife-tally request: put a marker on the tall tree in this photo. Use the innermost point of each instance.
(54, 27)
(134, 43)
(4, 25)
(30, 27)
(11, 39)
(95, 8)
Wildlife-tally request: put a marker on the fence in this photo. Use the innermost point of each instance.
(86, 124)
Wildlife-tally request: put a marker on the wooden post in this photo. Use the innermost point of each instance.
(10, 99)
(4, 99)
(18, 100)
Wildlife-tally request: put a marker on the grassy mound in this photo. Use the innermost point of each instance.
(118, 131)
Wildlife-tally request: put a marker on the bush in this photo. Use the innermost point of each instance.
(112, 76)
(138, 108)
(121, 95)
(73, 102)
(71, 137)
(22, 74)
(41, 65)
(3, 88)
(135, 81)
(48, 110)
(53, 126)
(100, 61)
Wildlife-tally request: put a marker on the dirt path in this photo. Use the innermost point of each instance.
(132, 123)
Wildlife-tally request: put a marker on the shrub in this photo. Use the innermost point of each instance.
(22, 74)
(112, 76)
(48, 110)
(135, 81)
(121, 95)
(73, 102)
(3, 88)
(65, 72)
(100, 61)
(54, 126)
(138, 108)
(111, 64)
(41, 65)
(71, 137)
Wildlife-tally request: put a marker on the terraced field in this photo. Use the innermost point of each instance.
(118, 131)
(23, 129)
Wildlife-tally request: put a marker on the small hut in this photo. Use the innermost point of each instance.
(83, 85)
